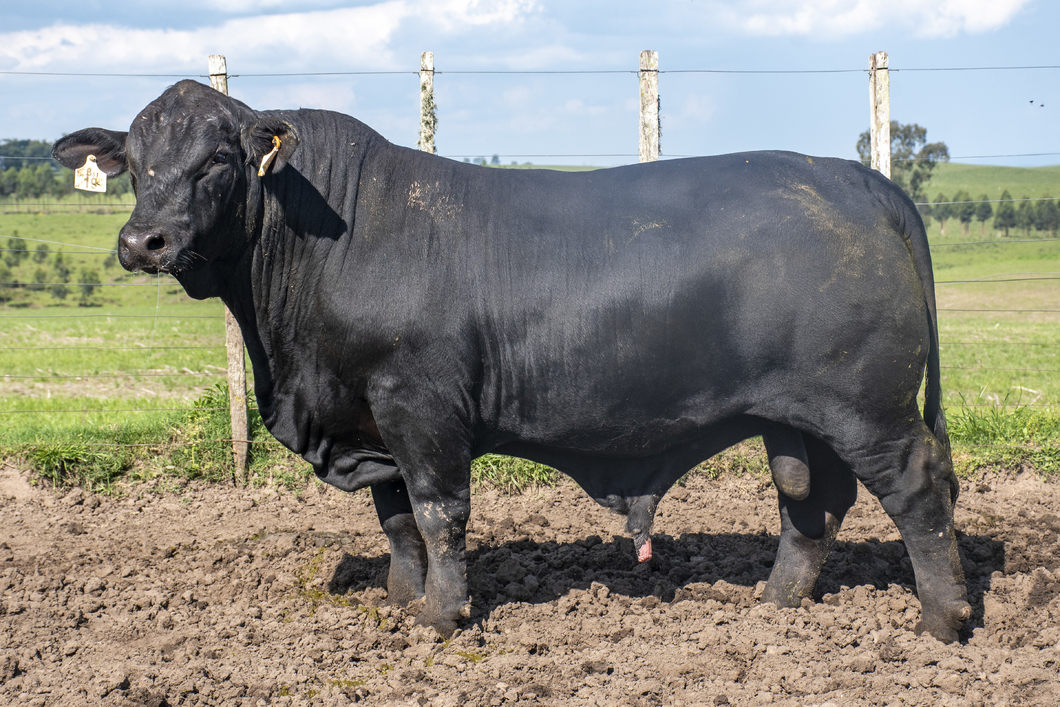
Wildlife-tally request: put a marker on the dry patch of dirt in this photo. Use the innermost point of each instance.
(215, 595)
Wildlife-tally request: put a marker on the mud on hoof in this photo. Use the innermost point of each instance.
(403, 589)
(444, 625)
(403, 596)
(786, 597)
(944, 623)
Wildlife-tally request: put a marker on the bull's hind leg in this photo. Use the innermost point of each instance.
(408, 553)
(808, 527)
(914, 480)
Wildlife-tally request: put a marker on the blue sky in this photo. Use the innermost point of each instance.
(520, 116)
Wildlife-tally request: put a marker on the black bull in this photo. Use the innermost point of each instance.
(406, 313)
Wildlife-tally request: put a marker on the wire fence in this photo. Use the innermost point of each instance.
(55, 364)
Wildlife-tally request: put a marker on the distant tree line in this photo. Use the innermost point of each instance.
(25, 174)
(1026, 215)
(38, 270)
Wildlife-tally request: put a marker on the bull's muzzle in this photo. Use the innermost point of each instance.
(141, 251)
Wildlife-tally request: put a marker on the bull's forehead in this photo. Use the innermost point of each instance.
(187, 120)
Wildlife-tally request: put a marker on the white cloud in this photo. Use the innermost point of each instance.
(332, 95)
(839, 18)
(340, 38)
(455, 14)
(354, 35)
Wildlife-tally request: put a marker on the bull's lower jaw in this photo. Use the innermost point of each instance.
(137, 268)
(138, 265)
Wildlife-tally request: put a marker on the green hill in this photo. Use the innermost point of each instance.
(1030, 182)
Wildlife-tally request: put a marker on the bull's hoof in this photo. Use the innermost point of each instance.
(402, 595)
(785, 597)
(944, 624)
(443, 620)
(443, 626)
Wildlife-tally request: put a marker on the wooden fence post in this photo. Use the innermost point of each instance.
(649, 106)
(880, 123)
(428, 111)
(237, 371)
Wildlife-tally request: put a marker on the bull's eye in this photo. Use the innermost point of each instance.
(220, 158)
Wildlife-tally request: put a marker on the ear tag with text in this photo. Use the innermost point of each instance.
(267, 159)
(90, 177)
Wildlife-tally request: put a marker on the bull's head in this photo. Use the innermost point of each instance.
(193, 156)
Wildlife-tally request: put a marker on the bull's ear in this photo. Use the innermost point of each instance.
(269, 136)
(107, 145)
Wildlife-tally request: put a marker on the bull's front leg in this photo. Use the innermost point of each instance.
(429, 438)
(442, 517)
(408, 554)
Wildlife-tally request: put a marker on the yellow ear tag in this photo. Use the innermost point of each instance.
(267, 159)
(90, 177)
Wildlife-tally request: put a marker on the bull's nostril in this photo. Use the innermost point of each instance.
(155, 242)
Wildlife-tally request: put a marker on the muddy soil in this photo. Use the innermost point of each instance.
(216, 595)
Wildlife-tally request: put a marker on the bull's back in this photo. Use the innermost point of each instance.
(643, 304)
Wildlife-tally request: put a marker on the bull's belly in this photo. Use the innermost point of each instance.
(626, 467)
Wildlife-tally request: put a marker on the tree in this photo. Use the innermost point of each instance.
(1005, 215)
(16, 251)
(41, 253)
(7, 280)
(926, 213)
(8, 181)
(912, 157)
(1025, 217)
(40, 277)
(1046, 216)
(17, 151)
(62, 272)
(942, 211)
(29, 186)
(983, 212)
(965, 209)
(89, 284)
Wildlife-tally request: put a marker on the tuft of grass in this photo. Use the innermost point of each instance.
(58, 464)
(1005, 438)
(511, 474)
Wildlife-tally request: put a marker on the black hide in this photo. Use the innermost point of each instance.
(406, 313)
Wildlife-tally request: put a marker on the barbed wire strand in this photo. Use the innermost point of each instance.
(472, 72)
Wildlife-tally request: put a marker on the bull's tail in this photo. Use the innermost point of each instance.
(913, 228)
(934, 415)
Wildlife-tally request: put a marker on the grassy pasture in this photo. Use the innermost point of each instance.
(140, 363)
(1030, 182)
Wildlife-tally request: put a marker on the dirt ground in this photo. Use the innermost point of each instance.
(216, 595)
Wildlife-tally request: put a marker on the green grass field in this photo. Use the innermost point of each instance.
(1031, 182)
(138, 362)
